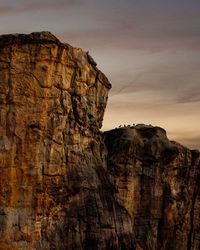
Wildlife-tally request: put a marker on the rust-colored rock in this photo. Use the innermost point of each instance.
(66, 186)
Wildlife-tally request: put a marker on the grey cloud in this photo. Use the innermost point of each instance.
(144, 27)
(193, 96)
(136, 39)
(173, 87)
(36, 5)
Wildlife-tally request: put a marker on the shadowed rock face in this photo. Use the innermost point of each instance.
(157, 181)
(64, 184)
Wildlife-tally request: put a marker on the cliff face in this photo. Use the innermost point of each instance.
(64, 184)
(158, 182)
(54, 192)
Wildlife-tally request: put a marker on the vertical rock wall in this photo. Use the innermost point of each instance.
(54, 193)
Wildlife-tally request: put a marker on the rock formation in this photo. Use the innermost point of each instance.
(157, 181)
(64, 184)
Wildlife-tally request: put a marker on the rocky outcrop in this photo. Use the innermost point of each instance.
(64, 184)
(158, 182)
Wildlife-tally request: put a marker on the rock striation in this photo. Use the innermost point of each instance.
(66, 185)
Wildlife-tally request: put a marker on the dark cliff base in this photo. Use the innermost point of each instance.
(64, 185)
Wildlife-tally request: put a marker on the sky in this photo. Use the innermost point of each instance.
(149, 50)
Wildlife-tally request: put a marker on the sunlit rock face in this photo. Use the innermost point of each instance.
(64, 185)
(54, 192)
(158, 182)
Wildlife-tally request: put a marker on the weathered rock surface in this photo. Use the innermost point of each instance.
(158, 182)
(54, 192)
(64, 184)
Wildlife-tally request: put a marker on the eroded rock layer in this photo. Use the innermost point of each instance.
(158, 182)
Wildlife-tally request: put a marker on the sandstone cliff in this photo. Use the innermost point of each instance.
(64, 184)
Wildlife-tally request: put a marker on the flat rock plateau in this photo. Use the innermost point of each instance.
(64, 184)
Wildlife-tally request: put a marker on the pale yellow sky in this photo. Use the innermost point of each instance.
(179, 120)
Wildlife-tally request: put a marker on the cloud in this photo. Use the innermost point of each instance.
(4, 9)
(191, 142)
(190, 96)
(22, 7)
(133, 25)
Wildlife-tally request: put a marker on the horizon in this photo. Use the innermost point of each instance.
(149, 50)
